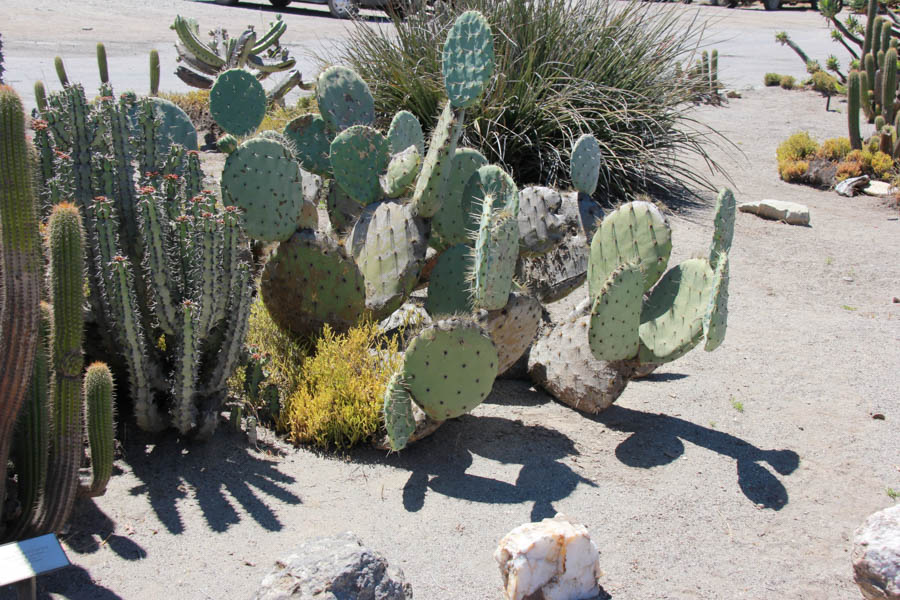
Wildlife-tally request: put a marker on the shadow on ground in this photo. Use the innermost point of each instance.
(172, 471)
(72, 582)
(657, 440)
(297, 8)
(439, 464)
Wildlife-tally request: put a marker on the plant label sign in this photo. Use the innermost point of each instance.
(28, 558)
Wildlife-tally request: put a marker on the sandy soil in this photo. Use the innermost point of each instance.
(686, 495)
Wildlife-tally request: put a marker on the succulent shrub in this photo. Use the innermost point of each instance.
(611, 76)
(787, 82)
(772, 79)
(834, 149)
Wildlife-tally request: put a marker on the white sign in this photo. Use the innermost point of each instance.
(25, 559)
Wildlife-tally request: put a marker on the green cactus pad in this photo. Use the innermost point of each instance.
(342, 209)
(401, 172)
(431, 185)
(175, 125)
(457, 219)
(468, 59)
(672, 318)
(513, 327)
(448, 288)
(585, 163)
(494, 258)
(312, 143)
(344, 99)
(715, 321)
(616, 315)
(227, 144)
(399, 420)
(237, 102)
(724, 226)
(635, 232)
(540, 229)
(359, 155)
(495, 184)
(309, 282)
(388, 245)
(406, 131)
(261, 178)
(449, 368)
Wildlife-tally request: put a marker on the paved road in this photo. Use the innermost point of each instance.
(35, 32)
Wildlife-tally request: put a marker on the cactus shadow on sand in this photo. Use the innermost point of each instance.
(172, 471)
(657, 440)
(438, 464)
(74, 583)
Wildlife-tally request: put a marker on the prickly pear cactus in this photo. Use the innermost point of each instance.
(398, 413)
(635, 233)
(497, 244)
(406, 131)
(309, 282)
(343, 211)
(388, 245)
(448, 288)
(401, 172)
(457, 218)
(262, 178)
(237, 102)
(616, 315)
(359, 155)
(468, 59)
(585, 163)
(723, 223)
(450, 367)
(715, 321)
(344, 99)
(512, 328)
(672, 318)
(312, 143)
(540, 229)
(430, 187)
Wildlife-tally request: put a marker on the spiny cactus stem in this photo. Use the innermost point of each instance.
(98, 399)
(186, 371)
(156, 261)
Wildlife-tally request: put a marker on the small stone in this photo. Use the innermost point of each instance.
(879, 188)
(876, 555)
(789, 212)
(551, 560)
(733, 94)
(333, 568)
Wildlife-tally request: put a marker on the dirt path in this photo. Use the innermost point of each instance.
(687, 495)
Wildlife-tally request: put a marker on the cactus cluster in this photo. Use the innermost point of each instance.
(44, 399)
(202, 62)
(167, 266)
(704, 76)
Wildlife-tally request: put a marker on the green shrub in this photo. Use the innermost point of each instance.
(881, 165)
(772, 79)
(563, 67)
(787, 82)
(824, 83)
(286, 354)
(798, 146)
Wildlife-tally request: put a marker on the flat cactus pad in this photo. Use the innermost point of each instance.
(312, 143)
(584, 164)
(237, 101)
(457, 218)
(344, 99)
(513, 327)
(449, 291)
(616, 315)
(715, 322)
(359, 155)
(406, 131)
(468, 59)
(399, 420)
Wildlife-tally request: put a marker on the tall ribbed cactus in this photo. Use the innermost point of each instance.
(853, 110)
(21, 254)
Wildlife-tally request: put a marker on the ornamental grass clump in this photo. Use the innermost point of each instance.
(563, 68)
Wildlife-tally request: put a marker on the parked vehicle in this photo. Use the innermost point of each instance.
(344, 9)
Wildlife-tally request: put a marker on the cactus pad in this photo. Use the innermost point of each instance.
(388, 245)
(635, 232)
(344, 99)
(309, 282)
(359, 155)
(342, 210)
(455, 221)
(406, 131)
(398, 413)
(448, 288)
(715, 321)
(672, 318)
(540, 229)
(262, 178)
(616, 315)
(585, 163)
(494, 258)
(312, 143)
(430, 187)
(237, 101)
(495, 185)
(468, 59)
(724, 226)
(401, 172)
(513, 327)
(450, 367)
(175, 125)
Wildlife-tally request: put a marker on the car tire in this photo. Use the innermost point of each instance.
(343, 9)
(772, 4)
(227, 2)
(280, 3)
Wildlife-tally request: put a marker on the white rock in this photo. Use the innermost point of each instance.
(880, 188)
(876, 555)
(555, 558)
(789, 212)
